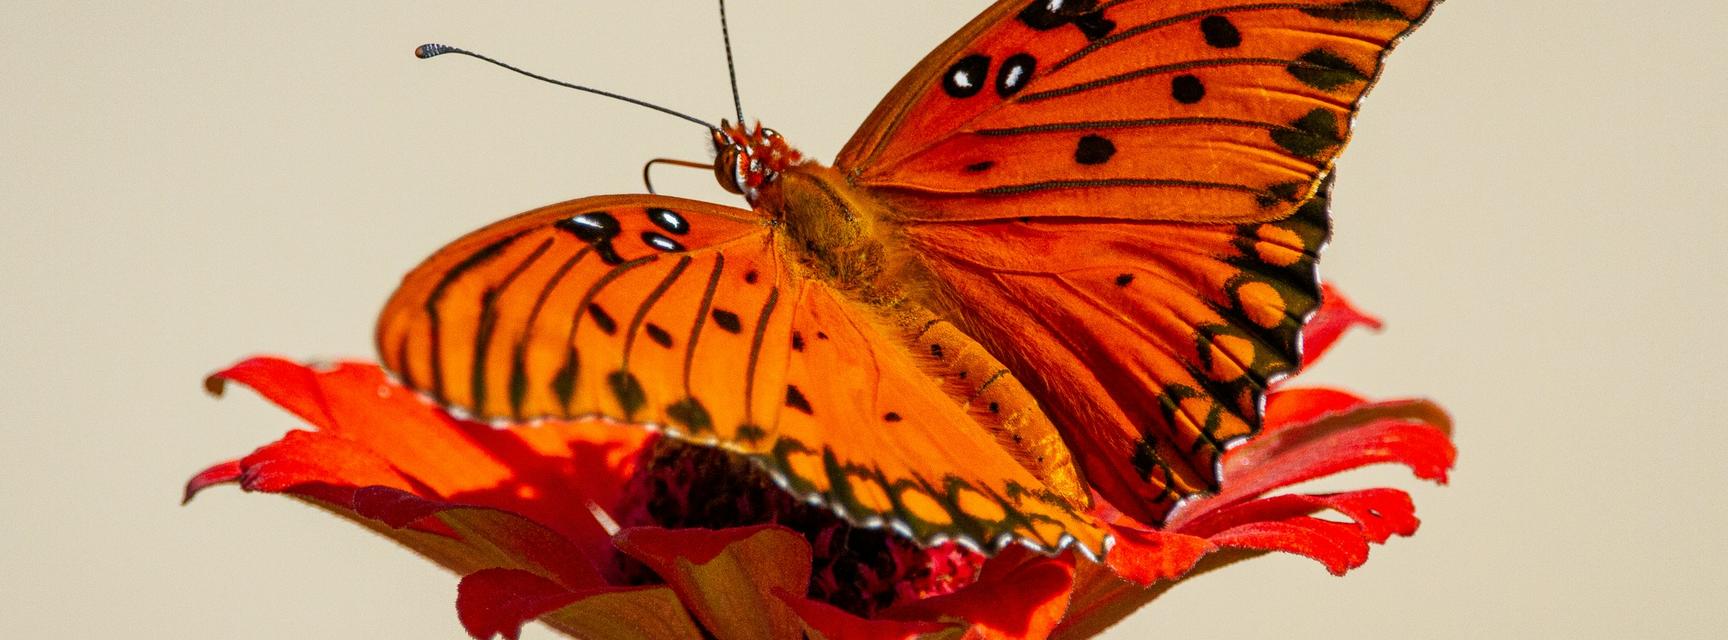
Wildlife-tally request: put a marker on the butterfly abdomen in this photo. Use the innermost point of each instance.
(994, 398)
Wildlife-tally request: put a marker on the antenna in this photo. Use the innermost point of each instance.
(432, 50)
(731, 70)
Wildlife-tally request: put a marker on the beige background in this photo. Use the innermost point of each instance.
(1534, 202)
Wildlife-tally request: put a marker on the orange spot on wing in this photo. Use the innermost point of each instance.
(1278, 246)
(977, 506)
(1229, 355)
(869, 494)
(1262, 304)
(807, 467)
(924, 507)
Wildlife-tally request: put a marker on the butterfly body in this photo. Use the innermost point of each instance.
(1059, 265)
(844, 236)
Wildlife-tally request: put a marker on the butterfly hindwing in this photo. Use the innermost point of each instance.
(1153, 343)
(684, 315)
(1183, 110)
(908, 454)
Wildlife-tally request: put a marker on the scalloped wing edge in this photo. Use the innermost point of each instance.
(767, 463)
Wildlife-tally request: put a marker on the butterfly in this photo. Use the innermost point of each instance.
(1055, 269)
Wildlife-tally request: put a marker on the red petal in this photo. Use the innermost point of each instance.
(548, 474)
(1376, 514)
(220, 473)
(835, 624)
(728, 577)
(1331, 543)
(499, 601)
(395, 507)
(1414, 433)
(1381, 512)
(1284, 523)
(318, 465)
(1145, 557)
(499, 538)
(1301, 405)
(1334, 317)
(1102, 599)
(634, 613)
(288, 384)
(1020, 594)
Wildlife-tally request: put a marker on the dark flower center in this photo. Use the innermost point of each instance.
(856, 569)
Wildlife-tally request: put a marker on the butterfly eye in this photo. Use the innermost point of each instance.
(726, 167)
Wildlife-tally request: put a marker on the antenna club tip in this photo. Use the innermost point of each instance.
(431, 49)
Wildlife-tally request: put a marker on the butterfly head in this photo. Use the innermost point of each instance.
(746, 159)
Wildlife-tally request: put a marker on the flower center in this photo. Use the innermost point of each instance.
(856, 569)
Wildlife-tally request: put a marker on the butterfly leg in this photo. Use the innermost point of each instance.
(649, 166)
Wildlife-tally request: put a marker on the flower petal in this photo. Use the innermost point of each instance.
(1414, 433)
(1147, 556)
(499, 601)
(1301, 405)
(1333, 544)
(495, 538)
(1335, 316)
(1101, 598)
(630, 613)
(1285, 523)
(315, 464)
(1020, 594)
(288, 384)
(549, 474)
(219, 473)
(832, 623)
(728, 577)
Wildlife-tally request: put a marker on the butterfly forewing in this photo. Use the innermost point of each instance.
(1185, 110)
(1120, 199)
(601, 306)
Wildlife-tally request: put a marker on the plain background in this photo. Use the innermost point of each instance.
(1534, 202)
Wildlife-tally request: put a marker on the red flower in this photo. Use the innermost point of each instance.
(531, 518)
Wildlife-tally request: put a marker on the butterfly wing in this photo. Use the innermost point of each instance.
(555, 313)
(1185, 110)
(687, 316)
(1121, 200)
(1152, 343)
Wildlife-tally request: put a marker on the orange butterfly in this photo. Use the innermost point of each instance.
(1060, 262)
